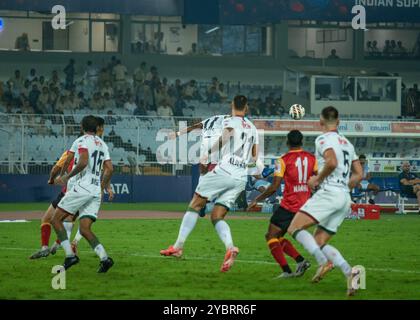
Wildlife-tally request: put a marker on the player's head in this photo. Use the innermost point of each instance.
(294, 139)
(406, 166)
(89, 124)
(329, 118)
(362, 159)
(100, 127)
(240, 104)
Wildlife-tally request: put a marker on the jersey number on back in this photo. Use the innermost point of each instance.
(302, 172)
(346, 164)
(97, 162)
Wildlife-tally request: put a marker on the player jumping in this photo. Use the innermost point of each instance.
(330, 204)
(225, 182)
(90, 153)
(295, 167)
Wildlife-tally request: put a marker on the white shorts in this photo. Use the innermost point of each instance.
(220, 188)
(261, 183)
(87, 204)
(329, 207)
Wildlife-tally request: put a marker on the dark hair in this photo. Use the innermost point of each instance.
(362, 156)
(240, 102)
(100, 121)
(89, 124)
(294, 138)
(329, 113)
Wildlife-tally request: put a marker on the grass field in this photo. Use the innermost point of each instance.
(387, 248)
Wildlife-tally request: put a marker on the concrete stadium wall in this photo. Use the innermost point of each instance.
(34, 188)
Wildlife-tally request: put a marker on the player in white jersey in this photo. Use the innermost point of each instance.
(90, 154)
(239, 141)
(330, 204)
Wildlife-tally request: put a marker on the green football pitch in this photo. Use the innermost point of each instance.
(387, 248)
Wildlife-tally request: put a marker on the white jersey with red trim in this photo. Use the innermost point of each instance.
(211, 132)
(89, 179)
(237, 153)
(345, 154)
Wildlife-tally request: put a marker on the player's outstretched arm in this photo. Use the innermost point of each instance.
(356, 174)
(181, 132)
(274, 186)
(55, 171)
(106, 177)
(329, 166)
(81, 165)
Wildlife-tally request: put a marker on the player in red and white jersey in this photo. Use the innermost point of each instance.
(295, 167)
(224, 184)
(90, 154)
(328, 207)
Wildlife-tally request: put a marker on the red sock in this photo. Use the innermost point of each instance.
(277, 252)
(45, 234)
(290, 250)
(57, 241)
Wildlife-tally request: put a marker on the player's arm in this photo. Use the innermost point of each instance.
(272, 188)
(106, 177)
(56, 169)
(330, 165)
(183, 131)
(221, 142)
(69, 158)
(356, 174)
(81, 165)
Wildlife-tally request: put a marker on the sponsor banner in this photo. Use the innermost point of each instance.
(381, 127)
(406, 127)
(127, 188)
(391, 165)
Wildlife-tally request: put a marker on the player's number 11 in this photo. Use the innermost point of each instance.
(303, 174)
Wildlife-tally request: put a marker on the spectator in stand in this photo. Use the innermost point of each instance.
(69, 71)
(375, 49)
(26, 108)
(213, 96)
(161, 95)
(119, 72)
(409, 182)
(83, 103)
(179, 51)
(91, 74)
(165, 110)
(112, 64)
(141, 109)
(222, 93)
(254, 108)
(17, 81)
(411, 103)
(369, 47)
(109, 103)
(104, 77)
(107, 89)
(175, 90)
(97, 103)
(190, 91)
(62, 104)
(139, 75)
(33, 97)
(73, 101)
(22, 42)
(151, 74)
(44, 101)
(400, 49)
(41, 82)
(387, 48)
(276, 108)
(55, 80)
(54, 94)
(26, 89)
(366, 184)
(120, 99)
(333, 54)
(130, 105)
(32, 77)
(109, 119)
(179, 105)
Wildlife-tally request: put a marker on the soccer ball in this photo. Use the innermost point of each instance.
(297, 112)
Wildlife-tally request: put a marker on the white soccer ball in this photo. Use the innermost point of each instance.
(297, 112)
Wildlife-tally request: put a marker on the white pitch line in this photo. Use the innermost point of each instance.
(198, 258)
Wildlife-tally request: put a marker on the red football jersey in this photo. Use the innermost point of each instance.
(295, 167)
(60, 163)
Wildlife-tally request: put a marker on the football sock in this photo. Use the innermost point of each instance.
(45, 234)
(78, 236)
(223, 230)
(290, 250)
(309, 243)
(98, 248)
(188, 223)
(277, 253)
(69, 227)
(337, 259)
(65, 243)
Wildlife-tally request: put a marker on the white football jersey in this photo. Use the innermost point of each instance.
(345, 154)
(236, 155)
(211, 132)
(89, 179)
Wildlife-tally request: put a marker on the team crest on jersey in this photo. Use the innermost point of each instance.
(245, 125)
(342, 141)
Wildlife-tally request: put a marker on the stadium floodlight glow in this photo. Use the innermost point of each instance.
(1, 24)
(212, 30)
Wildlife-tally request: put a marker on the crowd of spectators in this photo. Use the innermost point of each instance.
(111, 87)
(393, 49)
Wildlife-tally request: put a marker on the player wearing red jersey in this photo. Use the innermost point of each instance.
(294, 167)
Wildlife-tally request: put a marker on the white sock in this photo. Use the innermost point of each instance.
(309, 243)
(100, 251)
(67, 248)
(335, 256)
(78, 236)
(372, 196)
(188, 224)
(69, 227)
(223, 230)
